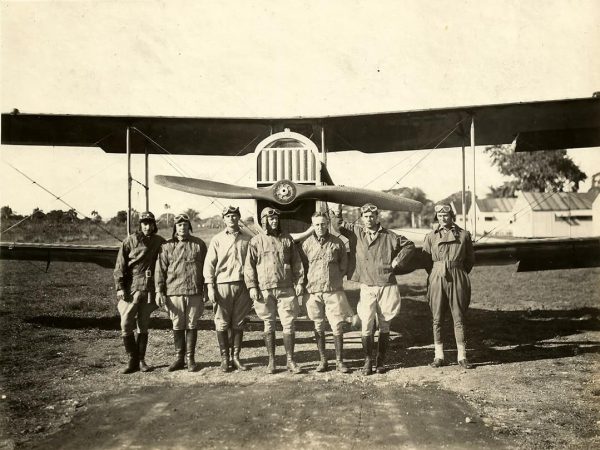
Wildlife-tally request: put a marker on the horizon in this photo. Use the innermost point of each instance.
(418, 56)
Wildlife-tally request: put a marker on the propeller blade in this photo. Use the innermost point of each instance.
(357, 197)
(212, 188)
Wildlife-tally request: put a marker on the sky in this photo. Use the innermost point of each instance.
(270, 59)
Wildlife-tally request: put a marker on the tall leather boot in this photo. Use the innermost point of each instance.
(223, 338)
(270, 345)
(133, 364)
(382, 346)
(142, 344)
(320, 337)
(338, 341)
(191, 336)
(238, 339)
(288, 344)
(367, 343)
(179, 341)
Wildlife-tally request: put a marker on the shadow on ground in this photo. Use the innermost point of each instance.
(493, 336)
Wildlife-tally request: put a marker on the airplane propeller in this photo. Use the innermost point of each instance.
(285, 192)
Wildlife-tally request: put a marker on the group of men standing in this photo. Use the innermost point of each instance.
(266, 272)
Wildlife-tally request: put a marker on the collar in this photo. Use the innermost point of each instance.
(444, 232)
(374, 232)
(321, 240)
(232, 233)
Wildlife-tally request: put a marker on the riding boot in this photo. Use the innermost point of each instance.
(179, 340)
(338, 341)
(230, 335)
(367, 343)
(382, 346)
(270, 345)
(238, 339)
(288, 343)
(320, 337)
(142, 344)
(191, 337)
(133, 364)
(223, 338)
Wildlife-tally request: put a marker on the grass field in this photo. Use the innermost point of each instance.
(534, 337)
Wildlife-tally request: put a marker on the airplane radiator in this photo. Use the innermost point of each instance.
(294, 164)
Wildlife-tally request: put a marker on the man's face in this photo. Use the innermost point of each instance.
(370, 220)
(146, 228)
(232, 221)
(444, 219)
(320, 226)
(182, 229)
(273, 221)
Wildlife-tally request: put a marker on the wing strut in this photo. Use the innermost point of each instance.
(473, 200)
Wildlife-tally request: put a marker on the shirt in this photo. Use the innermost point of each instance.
(225, 258)
(272, 262)
(327, 263)
(374, 257)
(179, 266)
(134, 269)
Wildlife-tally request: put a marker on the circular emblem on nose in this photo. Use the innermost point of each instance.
(284, 191)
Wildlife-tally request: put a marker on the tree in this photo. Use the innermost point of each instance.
(119, 219)
(399, 219)
(192, 213)
(55, 216)
(505, 190)
(6, 212)
(539, 171)
(96, 217)
(167, 207)
(38, 214)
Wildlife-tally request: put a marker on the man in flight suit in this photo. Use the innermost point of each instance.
(274, 276)
(327, 263)
(134, 282)
(224, 277)
(378, 253)
(448, 284)
(179, 285)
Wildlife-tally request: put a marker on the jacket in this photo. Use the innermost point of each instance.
(134, 269)
(179, 266)
(272, 262)
(327, 262)
(374, 259)
(451, 249)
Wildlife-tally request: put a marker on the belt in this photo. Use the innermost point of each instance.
(448, 264)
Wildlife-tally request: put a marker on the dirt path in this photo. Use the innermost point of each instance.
(287, 413)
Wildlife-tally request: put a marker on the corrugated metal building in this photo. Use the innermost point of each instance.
(494, 215)
(553, 214)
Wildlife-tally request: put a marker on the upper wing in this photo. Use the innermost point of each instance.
(544, 125)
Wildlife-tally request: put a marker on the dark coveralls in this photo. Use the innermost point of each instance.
(448, 284)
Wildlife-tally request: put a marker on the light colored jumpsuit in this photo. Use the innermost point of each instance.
(448, 284)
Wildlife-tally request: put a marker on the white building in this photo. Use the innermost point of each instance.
(596, 216)
(553, 214)
(494, 216)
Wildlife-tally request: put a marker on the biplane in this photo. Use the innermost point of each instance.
(291, 161)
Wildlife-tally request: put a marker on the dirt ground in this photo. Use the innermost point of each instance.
(534, 338)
